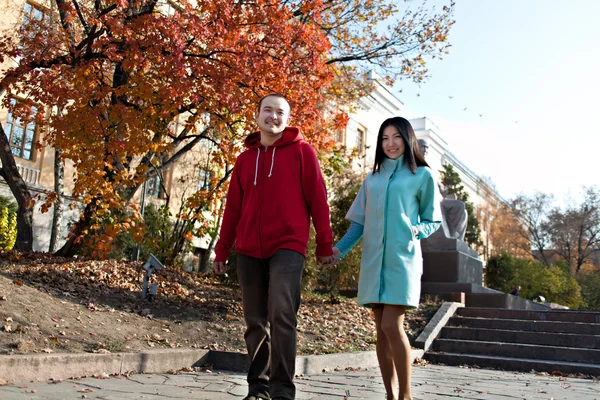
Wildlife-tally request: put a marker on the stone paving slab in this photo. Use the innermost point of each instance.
(429, 382)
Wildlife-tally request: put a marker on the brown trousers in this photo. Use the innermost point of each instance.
(271, 298)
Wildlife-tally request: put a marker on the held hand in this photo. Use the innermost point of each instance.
(219, 267)
(325, 260)
(337, 253)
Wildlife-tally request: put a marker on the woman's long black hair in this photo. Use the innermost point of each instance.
(412, 154)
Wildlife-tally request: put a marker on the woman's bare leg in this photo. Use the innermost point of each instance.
(386, 361)
(392, 327)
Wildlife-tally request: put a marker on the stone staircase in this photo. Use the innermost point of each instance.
(475, 295)
(520, 340)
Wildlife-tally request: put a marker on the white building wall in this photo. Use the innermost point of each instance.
(372, 110)
(439, 154)
(382, 104)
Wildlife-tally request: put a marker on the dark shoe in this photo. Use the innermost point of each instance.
(255, 397)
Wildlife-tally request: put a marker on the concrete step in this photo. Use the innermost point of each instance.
(551, 315)
(512, 336)
(530, 351)
(502, 300)
(451, 287)
(512, 363)
(526, 325)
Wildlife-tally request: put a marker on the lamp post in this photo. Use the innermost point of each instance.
(149, 290)
(136, 250)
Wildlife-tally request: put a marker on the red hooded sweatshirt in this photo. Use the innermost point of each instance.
(274, 190)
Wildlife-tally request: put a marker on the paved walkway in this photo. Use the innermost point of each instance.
(429, 382)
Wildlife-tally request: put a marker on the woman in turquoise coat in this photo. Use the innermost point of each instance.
(397, 205)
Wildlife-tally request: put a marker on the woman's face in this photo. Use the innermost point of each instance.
(392, 143)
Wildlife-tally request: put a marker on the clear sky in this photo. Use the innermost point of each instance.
(528, 74)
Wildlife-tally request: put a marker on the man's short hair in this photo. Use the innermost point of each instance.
(271, 95)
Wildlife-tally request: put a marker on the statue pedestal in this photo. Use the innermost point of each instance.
(450, 260)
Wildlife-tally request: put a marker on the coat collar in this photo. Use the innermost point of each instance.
(393, 165)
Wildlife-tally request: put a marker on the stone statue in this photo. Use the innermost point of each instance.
(455, 218)
(423, 146)
(447, 258)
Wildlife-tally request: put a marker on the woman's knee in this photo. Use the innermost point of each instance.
(391, 327)
(392, 321)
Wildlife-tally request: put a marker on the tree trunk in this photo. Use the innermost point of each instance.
(73, 245)
(205, 266)
(59, 176)
(20, 191)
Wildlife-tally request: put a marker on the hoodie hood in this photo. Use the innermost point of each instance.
(290, 135)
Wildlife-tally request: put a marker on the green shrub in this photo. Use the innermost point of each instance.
(555, 283)
(344, 275)
(590, 289)
(5, 202)
(158, 238)
(500, 272)
(8, 229)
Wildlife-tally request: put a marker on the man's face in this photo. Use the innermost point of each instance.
(273, 116)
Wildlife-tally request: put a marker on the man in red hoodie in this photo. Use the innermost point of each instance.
(276, 187)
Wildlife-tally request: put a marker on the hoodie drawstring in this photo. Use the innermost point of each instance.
(272, 164)
(256, 170)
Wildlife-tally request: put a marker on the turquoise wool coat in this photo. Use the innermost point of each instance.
(388, 205)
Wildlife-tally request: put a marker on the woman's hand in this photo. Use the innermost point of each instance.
(337, 254)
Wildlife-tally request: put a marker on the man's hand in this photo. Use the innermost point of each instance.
(219, 267)
(326, 260)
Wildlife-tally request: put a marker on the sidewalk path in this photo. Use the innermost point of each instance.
(429, 382)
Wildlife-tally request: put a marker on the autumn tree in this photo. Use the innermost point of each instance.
(122, 74)
(507, 234)
(503, 232)
(131, 87)
(450, 180)
(533, 211)
(393, 38)
(574, 230)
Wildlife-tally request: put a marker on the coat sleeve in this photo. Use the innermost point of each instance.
(350, 239)
(233, 213)
(315, 193)
(430, 213)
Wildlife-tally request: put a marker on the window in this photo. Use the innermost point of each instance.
(202, 179)
(360, 141)
(168, 8)
(31, 12)
(20, 135)
(338, 136)
(154, 187)
(34, 17)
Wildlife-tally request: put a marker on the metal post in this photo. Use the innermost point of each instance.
(143, 207)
